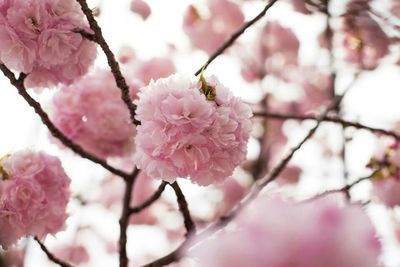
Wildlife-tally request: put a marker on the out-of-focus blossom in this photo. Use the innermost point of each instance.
(92, 114)
(208, 32)
(364, 41)
(276, 233)
(76, 254)
(141, 8)
(386, 182)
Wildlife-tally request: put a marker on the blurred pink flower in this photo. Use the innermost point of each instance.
(298, 235)
(92, 113)
(141, 8)
(209, 32)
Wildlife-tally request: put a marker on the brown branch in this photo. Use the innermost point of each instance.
(87, 35)
(235, 36)
(334, 119)
(51, 256)
(157, 194)
(184, 209)
(112, 62)
(345, 189)
(124, 220)
(19, 85)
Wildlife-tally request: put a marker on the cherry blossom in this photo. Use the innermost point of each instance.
(190, 129)
(34, 192)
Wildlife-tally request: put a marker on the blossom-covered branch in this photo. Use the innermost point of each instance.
(112, 62)
(19, 85)
(271, 176)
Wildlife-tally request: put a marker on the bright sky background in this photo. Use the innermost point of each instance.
(374, 101)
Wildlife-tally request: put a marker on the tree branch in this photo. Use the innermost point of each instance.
(51, 256)
(124, 220)
(345, 189)
(112, 62)
(334, 119)
(235, 36)
(184, 209)
(157, 194)
(19, 85)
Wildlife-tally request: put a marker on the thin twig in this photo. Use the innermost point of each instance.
(124, 220)
(51, 256)
(112, 62)
(19, 85)
(334, 119)
(235, 36)
(345, 189)
(157, 194)
(184, 209)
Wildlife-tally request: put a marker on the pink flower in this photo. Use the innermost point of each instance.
(144, 71)
(141, 8)
(91, 113)
(364, 41)
(38, 39)
(33, 196)
(184, 134)
(208, 33)
(297, 235)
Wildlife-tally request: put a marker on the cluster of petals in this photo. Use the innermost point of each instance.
(318, 234)
(184, 133)
(386, 182)
(34, 192)
(38, 38)
(91, 113)
(364, 41)
(209, 31)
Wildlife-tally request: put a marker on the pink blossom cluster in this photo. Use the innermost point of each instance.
(187, 132)
(38, 38)
(209, 31)
(276, 233)
(91, 113)
(386, 183)
(34, 192)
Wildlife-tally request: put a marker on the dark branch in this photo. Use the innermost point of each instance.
(51, 256)
(87, 35)
(149, 201)
(184, 209)
(124, 220)
(345, 189)
(112, 62)
(334, 119)
(235, 36)
(19, 85)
